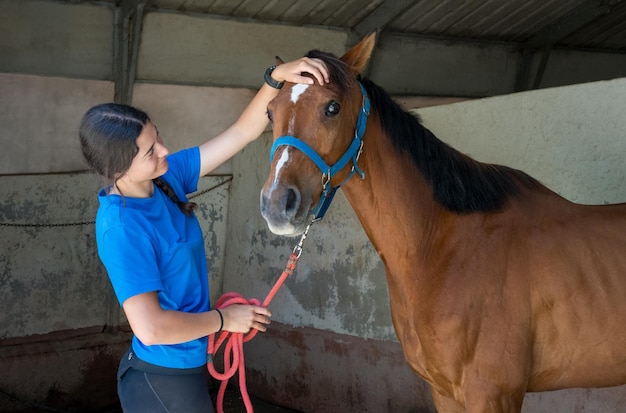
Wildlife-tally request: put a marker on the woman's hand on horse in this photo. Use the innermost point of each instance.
(241, 318)
(292, 71)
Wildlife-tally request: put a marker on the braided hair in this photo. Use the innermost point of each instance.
(108, 135)
(186, 207)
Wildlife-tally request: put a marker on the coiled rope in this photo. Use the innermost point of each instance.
(233, 350)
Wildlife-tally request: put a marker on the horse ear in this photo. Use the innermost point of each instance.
(359, 55)
(279, 61)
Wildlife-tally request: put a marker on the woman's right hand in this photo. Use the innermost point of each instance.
(241, 318)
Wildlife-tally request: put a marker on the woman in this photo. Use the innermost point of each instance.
(151, 245)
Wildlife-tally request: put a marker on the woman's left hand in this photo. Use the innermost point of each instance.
(292, 71)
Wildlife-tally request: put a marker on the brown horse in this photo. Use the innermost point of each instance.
(498, 286)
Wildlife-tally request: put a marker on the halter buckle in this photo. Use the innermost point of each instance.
(326, 177)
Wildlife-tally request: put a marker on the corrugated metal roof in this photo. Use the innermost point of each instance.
(589, 24)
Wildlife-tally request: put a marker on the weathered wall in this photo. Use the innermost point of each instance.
(570, 138)
(40, 116)
(48, 258)
(60, 335)
(55, 39)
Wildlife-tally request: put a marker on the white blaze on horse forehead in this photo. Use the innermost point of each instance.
(297, 90)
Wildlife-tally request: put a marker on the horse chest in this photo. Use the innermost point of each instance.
(430, 360)
(432, 334)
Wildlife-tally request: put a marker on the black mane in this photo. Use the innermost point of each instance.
(459, 183)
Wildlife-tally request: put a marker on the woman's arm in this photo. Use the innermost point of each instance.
(153, 325)
(253, 120)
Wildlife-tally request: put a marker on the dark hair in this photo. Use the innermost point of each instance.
(108, 138)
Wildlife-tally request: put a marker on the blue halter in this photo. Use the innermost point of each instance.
(328, 172)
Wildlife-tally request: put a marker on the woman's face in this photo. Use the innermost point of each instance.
(150, 162)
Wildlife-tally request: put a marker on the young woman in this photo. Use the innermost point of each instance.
(151, 244)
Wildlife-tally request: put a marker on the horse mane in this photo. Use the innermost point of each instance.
(459, 183)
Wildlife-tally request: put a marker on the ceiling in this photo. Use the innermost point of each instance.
(534, 28)
(529, 24)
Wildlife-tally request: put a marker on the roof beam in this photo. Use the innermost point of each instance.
(549, 35)
(126, 38)
(380, 17)
(376, 21)
(568, 23)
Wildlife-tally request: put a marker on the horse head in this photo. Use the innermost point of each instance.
(318, 131)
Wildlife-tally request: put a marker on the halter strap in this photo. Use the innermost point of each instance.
(328, 172)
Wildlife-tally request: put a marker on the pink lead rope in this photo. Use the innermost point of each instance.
(233, 351)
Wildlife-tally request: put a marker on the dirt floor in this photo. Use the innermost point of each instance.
(233, 403)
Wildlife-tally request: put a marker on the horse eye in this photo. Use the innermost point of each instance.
(332, 109)
(269, 116)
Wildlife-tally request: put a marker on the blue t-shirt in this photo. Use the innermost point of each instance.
(149, 244)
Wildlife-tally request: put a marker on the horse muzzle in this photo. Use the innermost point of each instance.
(283, 209)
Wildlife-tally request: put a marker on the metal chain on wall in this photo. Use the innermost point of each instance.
(80, 223)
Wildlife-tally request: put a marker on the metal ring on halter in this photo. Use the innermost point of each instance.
(298, 247)
(326, 179)
(358, 154)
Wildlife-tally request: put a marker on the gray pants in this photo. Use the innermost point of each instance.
(146, 388)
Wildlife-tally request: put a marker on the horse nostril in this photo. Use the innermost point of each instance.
(292, 202)
(282, 206)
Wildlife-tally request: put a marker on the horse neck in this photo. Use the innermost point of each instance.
(393, 202)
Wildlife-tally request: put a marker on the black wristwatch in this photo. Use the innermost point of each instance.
(270, 80)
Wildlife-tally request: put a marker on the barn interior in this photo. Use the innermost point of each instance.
(538, 85)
